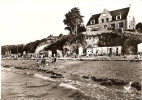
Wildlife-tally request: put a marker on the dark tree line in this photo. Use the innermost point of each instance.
(139, 27)
(74, 21)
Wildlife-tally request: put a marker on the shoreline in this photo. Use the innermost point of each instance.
(55, 72)
(91, 58)
(86, 59)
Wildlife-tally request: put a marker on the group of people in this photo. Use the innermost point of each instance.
(44, 62)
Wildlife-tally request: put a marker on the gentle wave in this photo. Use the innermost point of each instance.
(6, 69)
(43, 77)
(67, 86)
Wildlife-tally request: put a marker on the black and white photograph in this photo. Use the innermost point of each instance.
(71, 49)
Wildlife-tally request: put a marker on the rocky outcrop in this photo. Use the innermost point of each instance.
(137, 85)
(56, 75)
(98, 79)
(7, 66)
(118, 82)
(39, 48)
(107, 83)
(86, 77)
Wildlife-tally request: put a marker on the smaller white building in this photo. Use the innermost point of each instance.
(139, 46)
(89, 51)
(59, 53)
(115, 50)
(49, 53)
(80, 51)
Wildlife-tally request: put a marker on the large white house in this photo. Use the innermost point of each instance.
(116, 19)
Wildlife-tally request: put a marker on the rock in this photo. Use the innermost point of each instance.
(56, 75)
(18, 67)
(137, 85)
(7, 66)
(41, 70)
(98, 79)
(118, 82)
(86, 77)
(24, 68)
(107, 83)
(50, 72)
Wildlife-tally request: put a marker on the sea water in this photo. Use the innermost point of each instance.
(18, 85)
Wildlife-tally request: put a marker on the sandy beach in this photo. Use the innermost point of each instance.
(112, 76)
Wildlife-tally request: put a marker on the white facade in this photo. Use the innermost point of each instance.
(49, 53)
(80, 51)
(104, 50)
(115, 50)
(139, 48)
(89, 51)
(59, 53)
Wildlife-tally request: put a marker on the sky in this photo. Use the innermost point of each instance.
(23, 21)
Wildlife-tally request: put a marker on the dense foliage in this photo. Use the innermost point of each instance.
(29, 47)
(127, 41)
(139, 27)
(72, 42)
(68, 40)
(12, 48)
(73, 20)
(58, 44)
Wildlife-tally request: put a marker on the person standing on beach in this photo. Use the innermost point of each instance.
(43, 62)
(54, 59)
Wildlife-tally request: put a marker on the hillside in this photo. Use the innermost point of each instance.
(30, 47)
(69, 43)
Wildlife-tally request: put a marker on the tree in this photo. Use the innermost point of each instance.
(139, 27)
(73, 20)
(60, 35)
(81, 28)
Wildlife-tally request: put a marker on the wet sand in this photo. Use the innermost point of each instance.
(20, 86)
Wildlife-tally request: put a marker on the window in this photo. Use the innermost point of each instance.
(104, 14)
(112, 26)
(102, 20)
(93, 22)
(120, 24)
(105, 26)
(118, 17)
(107, 19)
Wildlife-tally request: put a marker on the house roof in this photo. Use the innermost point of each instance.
(114, 13)
(123, 12)
(94, 17)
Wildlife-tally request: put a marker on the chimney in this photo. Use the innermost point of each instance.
(130, 5)
(90, 14)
